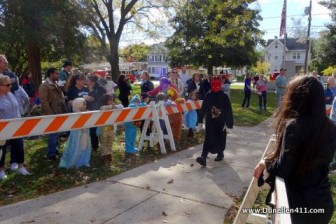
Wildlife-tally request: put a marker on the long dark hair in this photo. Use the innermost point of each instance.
(121, 79)
(305, 96)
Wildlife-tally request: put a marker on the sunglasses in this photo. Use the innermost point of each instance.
(8, 85)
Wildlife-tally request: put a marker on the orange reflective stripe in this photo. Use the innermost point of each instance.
(198, 105)
(179, 107)
(26, 127)
(103, 118)
(169, 110)
(123, 115)
(151, 114)
(189, 107)
(3, 124)
(56, 123)
(139, 113)
(81, 121)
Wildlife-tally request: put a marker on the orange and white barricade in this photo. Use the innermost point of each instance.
(23, 127)
(156, 135)
(40, 125)
(161, 112)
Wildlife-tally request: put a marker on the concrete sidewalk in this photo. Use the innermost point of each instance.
(174, 189)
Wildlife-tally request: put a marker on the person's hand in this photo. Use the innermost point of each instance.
(89, 98)
(259, 169)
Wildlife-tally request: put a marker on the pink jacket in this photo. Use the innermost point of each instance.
(261, 85)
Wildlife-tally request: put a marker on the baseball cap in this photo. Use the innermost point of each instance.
(283, 69)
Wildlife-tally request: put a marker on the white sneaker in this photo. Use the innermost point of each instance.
(23, 171)
(2, 175)
(14, 166)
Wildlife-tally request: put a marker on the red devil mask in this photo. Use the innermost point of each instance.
(216, 84)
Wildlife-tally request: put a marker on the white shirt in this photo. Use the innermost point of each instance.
(184, 78)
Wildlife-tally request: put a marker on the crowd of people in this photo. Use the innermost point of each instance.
(65, 92)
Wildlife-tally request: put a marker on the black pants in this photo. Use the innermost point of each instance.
(17, 151)
(206, 150)
(199, 121)
(262, 100)
(94, 139)
(247, 96)
(124, 100)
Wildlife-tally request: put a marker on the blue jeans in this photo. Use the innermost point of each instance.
(52, 144)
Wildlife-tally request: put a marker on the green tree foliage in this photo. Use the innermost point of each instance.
(329, 71)
(327, 45)
(135, 52)
(37, 30)
(215, 33)
(261, 67)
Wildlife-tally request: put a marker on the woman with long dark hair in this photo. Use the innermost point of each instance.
(305, 146)
(125, 88)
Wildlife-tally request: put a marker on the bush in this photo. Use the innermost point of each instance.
(240, 78)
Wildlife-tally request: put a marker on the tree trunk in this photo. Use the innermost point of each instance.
(210, 67)
(114, 62)
(34, 63)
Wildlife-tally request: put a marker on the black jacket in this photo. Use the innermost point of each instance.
(310, 190)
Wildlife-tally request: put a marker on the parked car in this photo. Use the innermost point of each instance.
(273, 76)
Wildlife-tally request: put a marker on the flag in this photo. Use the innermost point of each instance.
(283, 20)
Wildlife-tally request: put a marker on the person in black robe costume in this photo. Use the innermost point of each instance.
(218, 111)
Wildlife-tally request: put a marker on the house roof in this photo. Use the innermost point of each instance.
(292, 43)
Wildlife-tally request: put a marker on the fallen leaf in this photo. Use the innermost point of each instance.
(170, 181)
(164, 213)
(93, 219)
(147, 187)
(192, 165)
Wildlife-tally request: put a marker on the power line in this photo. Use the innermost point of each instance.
(275, 17)
(265, 29)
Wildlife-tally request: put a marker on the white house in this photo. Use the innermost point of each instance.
(294, 57)
(157, 61)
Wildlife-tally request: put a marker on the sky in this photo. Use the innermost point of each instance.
(271, 13)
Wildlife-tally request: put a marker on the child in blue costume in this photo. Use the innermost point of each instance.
(131, 129)
(190, 117)
(77, 150)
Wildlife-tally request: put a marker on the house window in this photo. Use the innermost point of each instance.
(276, 44)
(151, 58)
(296, 55)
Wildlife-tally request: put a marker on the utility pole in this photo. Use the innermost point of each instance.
(308, 38)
